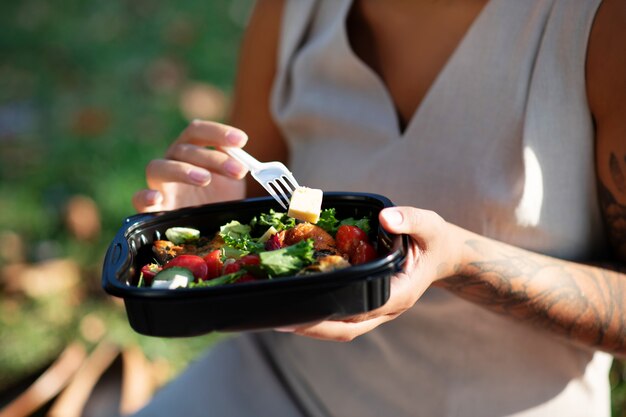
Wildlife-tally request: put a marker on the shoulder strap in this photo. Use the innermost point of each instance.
(296, 22)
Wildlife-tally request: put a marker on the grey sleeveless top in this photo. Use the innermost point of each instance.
(502, 145)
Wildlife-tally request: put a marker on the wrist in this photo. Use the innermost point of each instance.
(458, 254)
(467, 248)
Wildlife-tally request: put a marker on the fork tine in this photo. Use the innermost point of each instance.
(273, 193)
(276, 185)
(286, 192)
(292, 181)
(274, 176)
(286, 186)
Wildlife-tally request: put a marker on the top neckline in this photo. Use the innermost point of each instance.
(388, 106)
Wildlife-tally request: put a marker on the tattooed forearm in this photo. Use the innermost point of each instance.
(583, 303)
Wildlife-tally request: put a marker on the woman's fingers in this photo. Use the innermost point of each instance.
(439, 243)
(211, 160)
(405, 291)
(421, 225)
(339, 331)
(190, 159)
(147, 200)
(192, 162)
(159, 171)
(206, 133)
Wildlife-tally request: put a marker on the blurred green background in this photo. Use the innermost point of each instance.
(89, 93)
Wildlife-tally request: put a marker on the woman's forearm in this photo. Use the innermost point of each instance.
(584, 303)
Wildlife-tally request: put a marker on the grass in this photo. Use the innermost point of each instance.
(89, 93)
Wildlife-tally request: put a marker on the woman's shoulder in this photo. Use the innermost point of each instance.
(606, 91)
(606, 60)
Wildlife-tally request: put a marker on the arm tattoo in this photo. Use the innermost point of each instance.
(614, 212)
(579, 302)
(616, 173)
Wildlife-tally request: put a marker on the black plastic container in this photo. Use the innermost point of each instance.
(250, 305)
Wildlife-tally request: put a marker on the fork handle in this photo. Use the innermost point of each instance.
(244, 157)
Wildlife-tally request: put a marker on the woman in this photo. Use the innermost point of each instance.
(497, 128)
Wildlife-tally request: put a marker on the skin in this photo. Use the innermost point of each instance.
(583, 304)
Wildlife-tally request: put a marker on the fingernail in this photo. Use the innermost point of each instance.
(233, 168)
(393, 217)
(199, 176)
(236, 137)
(153, 197)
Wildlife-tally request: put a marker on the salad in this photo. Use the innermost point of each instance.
(271, 245)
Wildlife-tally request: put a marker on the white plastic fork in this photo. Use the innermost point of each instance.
(273, 176)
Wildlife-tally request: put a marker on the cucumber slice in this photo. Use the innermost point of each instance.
(178, 235)
(172, 278)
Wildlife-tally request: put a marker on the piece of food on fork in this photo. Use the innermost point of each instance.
(306, 204)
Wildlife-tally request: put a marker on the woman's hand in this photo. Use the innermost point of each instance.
(434, 253)
(194, 171)
(581, 303)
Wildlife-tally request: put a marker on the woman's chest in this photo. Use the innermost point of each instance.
(408, 45)
(483, 147)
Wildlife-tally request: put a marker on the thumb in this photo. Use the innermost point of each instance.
(421, 225)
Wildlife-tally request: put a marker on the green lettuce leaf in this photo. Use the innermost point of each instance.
(288, 260)
(224, 279)
(328, 221)
(276, 219)
(237, 236)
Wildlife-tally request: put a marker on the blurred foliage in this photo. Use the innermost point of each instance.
(89, 93)
(618, 388)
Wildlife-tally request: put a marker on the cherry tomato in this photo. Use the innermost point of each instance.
(249, 260)
(149, 271)
(231, 268)
(194, 263)
(214, 264)
(364, 252)
(252, 265)
(348, 237)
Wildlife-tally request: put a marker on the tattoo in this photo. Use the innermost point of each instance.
(613, 211)
(616, 173)
(580, 302)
